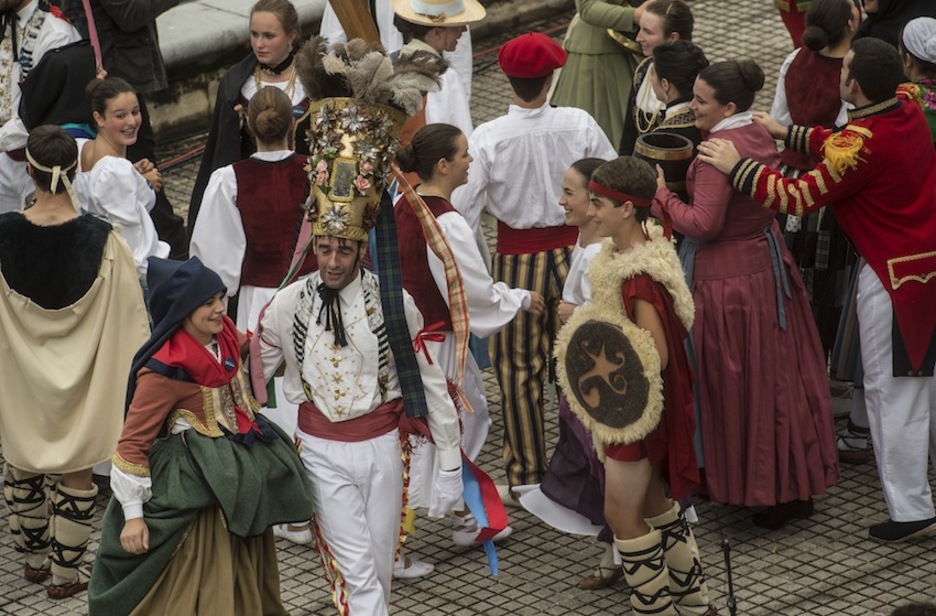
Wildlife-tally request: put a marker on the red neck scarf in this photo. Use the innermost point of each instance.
(182, 351)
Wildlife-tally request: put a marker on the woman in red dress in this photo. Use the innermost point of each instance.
(766, 423)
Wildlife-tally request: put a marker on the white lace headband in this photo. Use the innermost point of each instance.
(57, 173)
(919, 38)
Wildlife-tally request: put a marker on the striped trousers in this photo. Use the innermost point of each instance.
(522, 355)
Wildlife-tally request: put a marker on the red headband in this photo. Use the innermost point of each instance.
(595, 187)
(610, 193)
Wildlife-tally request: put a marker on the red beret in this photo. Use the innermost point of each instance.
(530, 55)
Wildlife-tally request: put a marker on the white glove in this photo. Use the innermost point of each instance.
(446, 493)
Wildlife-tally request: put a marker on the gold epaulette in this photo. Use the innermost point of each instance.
(910, 91)
(842, 150)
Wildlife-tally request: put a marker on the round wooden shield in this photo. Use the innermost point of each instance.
(610, 371)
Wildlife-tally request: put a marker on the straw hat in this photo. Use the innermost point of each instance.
(440, 13)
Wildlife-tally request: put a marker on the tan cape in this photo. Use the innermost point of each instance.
(64, 372)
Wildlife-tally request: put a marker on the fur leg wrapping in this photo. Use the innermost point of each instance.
(72, 510)
(646, 574)
(681, 554)
(27, 499)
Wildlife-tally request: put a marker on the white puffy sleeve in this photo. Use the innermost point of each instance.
(218, 238)
(117, 192)
(490, 304)
(131, 491)
(443, 418)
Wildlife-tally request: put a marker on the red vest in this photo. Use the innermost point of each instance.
(270, 197)
(414, 260)
(812, 91)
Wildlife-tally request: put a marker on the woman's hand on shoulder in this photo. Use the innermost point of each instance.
(135, 536)
(719, 153)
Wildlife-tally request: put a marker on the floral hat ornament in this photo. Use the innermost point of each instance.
(361, 100)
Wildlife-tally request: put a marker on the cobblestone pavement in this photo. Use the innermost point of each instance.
(821, 566)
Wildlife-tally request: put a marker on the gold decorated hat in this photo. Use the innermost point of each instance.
(361, 100)
(352, 150)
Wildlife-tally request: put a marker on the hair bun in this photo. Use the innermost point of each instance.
(92, 86)
(751, 74)
(815, 38)
(269, 124)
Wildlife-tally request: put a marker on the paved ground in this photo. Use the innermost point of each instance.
(821, 566)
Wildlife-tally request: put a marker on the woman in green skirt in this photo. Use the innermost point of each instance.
(598, 73)
(199, 475)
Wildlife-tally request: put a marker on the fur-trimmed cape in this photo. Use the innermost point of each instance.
(657, 258)
(626, 402)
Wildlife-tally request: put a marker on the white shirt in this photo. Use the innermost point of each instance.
(781, 109)
(115, 191)
(55, 32)
(219, 240)
(296, 94)
(519, 161)
(450, 104)
(491, 305)
(577, 288)
(357, 367)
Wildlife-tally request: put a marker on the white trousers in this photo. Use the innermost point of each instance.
(15, 184)
(901, 410)
(357, 495)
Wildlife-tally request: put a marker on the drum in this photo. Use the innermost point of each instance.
(672, 152)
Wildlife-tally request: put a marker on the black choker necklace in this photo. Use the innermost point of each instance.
(279, 68)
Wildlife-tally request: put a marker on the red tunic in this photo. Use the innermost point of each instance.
(670, 442)
(879, 176)
(270, 196)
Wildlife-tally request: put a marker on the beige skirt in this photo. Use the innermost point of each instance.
(214, 572)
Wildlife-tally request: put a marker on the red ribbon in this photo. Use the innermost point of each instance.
(610, 193)
(424, 335)
(667, 221)
(244, 423)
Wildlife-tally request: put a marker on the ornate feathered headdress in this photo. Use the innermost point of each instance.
(361, 100)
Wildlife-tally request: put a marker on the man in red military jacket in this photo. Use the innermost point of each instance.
(879, 176)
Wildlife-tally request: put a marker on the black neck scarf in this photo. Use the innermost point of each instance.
(331, 306)
(279, 68)
(8, 22)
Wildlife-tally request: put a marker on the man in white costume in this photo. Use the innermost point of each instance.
(349, 410)
(347, 341)
(29, 29)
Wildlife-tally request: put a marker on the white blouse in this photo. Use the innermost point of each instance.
(114, 190)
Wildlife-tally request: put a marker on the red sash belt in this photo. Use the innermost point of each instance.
(512, 241)
(385, 418)
(19, 154)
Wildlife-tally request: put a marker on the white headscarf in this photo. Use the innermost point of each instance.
(919, 38)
